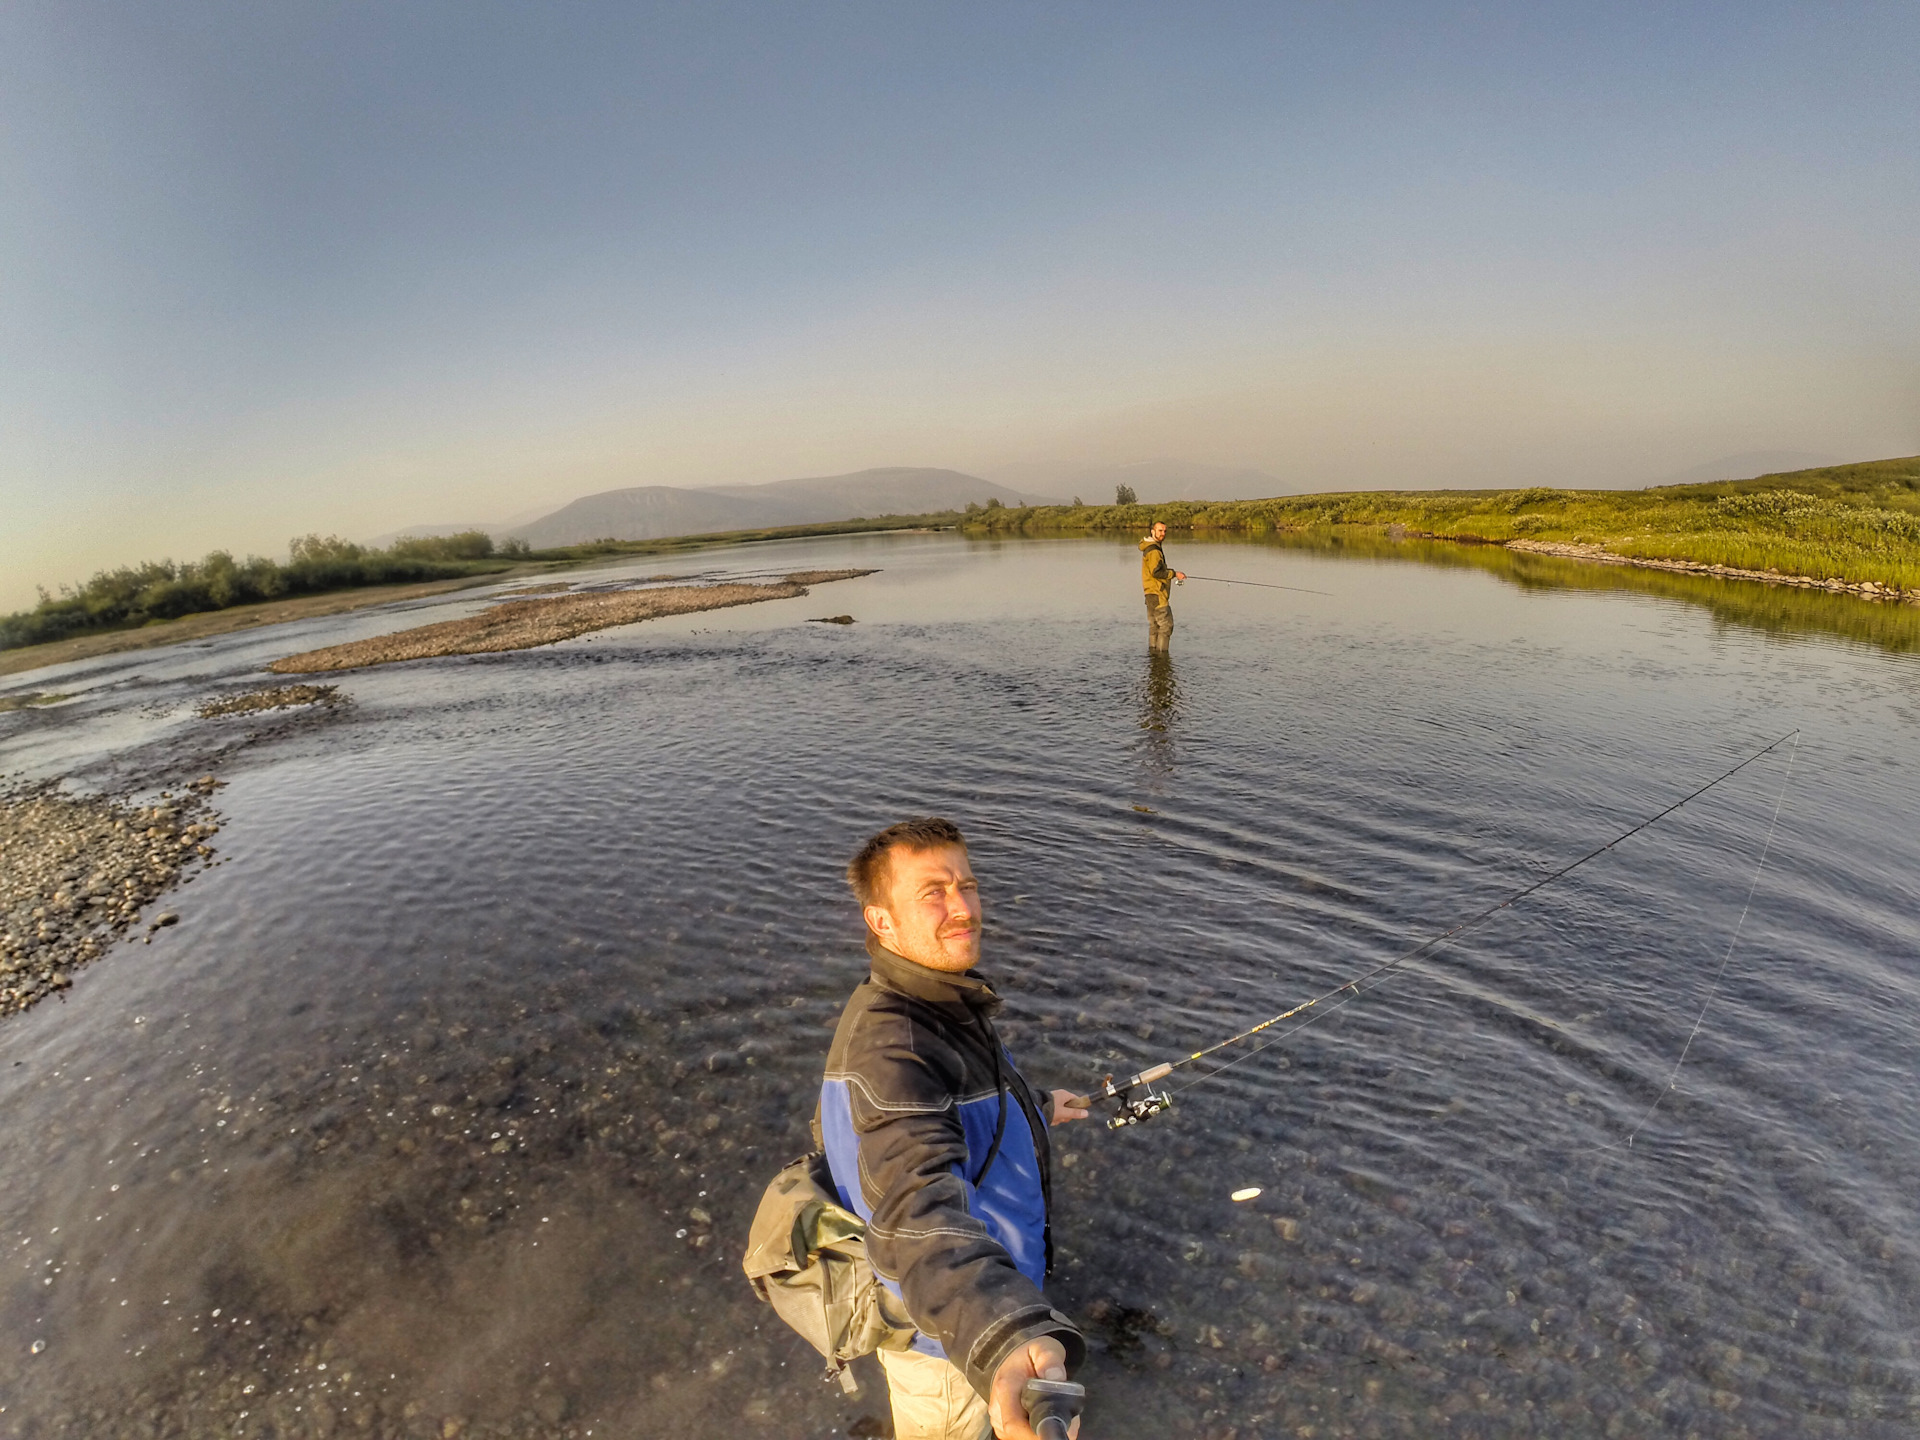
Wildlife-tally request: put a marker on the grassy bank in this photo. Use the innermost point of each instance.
(133, 597)
(161, 590)
(1851, 523)
(1780, 610)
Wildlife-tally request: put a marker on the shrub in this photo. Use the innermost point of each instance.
(467, 545)
(165, 590)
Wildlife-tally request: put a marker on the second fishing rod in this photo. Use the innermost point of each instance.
(1134, 1108)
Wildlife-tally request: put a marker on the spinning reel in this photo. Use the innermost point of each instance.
(1133, 1109)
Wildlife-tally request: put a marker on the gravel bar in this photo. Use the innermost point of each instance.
(77, 871)
(522, 624)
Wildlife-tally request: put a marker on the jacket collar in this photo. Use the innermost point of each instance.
(938, 987)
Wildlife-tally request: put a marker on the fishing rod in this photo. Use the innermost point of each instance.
(1135, 1109)
(1262, 584)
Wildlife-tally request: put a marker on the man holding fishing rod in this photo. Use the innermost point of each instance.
(1156, 578)
(938, 1143)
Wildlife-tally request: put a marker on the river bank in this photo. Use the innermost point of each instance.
(239, 613)
(1852, 528)
(1865, 589)
(226, 622)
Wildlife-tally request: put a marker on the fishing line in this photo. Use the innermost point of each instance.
(1262, 584)
(1714, 988)
(1134, 1111)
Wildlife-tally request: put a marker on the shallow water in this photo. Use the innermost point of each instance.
(517, 960)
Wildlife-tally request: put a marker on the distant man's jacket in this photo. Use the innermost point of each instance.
(908, 1110)
(1155, 574)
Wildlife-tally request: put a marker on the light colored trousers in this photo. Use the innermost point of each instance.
(932, 1399)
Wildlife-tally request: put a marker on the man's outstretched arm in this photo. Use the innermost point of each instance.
(959, 1283)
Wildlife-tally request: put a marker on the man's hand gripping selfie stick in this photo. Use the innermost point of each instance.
(1134, 1109)
(1052, 1406)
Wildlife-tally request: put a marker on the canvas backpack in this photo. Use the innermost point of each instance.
(807, 1257)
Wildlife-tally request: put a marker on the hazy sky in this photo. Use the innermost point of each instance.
(267, 269)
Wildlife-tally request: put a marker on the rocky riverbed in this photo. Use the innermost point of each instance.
(78, 872)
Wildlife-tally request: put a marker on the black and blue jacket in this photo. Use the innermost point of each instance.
(912, 1099)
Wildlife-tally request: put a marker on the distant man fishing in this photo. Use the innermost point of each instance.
(1156, 578)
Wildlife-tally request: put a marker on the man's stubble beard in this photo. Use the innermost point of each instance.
(941, 957)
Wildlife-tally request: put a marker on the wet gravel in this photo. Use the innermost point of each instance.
(78, 872)
(276, 697)
(522, 624)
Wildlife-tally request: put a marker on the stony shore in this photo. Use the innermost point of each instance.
(1866, 590)
(77, 872)
(522, 624)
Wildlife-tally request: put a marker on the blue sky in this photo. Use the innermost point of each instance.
(266, 270)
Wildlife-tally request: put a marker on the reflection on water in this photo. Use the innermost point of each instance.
(1782, 610)
(1159, 710)
(444, 1109)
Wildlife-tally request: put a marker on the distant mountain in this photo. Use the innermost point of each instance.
(646, 512)
(1154, 481)
(1748, 464)
(899, 490)
(499, 529)
(652, 512)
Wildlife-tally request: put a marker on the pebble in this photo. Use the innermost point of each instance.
(75, 872)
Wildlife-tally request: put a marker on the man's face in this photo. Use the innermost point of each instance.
(1159, 530)
(931, 911)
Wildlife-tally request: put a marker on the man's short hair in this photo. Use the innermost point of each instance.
(867, 871)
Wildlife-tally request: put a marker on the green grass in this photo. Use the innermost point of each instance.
(1854, 523)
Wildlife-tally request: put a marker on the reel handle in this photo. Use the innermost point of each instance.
(1052, 1406)
(1113, 1091)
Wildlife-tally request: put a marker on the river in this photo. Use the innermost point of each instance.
(444, 1109)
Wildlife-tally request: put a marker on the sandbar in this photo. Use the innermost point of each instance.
(522, 624)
